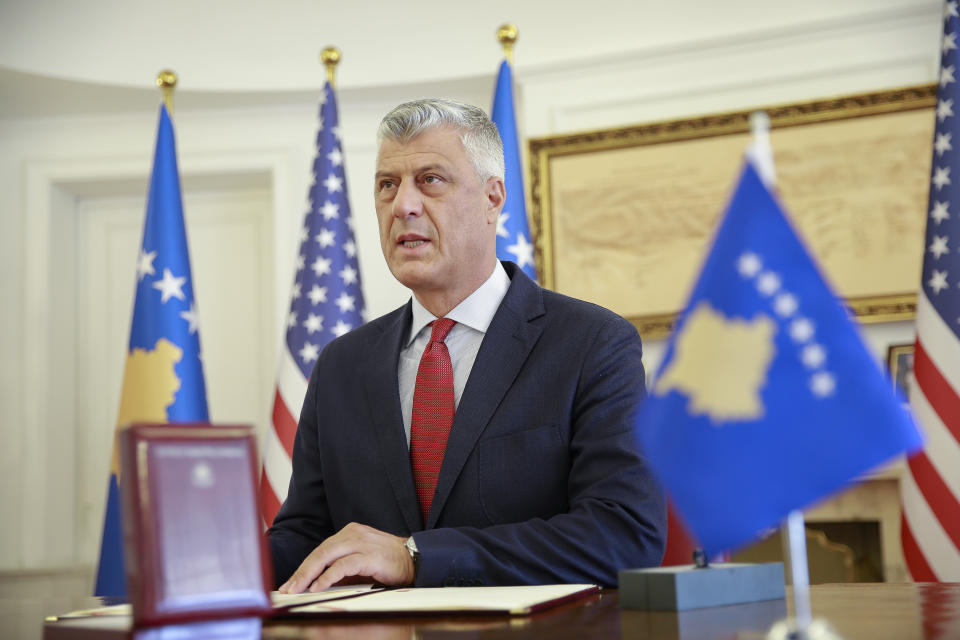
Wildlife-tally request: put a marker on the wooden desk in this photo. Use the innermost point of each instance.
(856, 611)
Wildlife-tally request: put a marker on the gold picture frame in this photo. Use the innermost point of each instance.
(623, 217)
(900, 365)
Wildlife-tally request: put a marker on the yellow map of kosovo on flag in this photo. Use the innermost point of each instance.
(721, 364)
(149, 387)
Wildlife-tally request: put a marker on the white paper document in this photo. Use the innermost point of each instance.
(510, 600)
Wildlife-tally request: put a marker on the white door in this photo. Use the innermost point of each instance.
(229, 232)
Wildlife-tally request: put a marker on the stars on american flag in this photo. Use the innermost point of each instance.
(802, 331)
(327, 300)
(941, 264)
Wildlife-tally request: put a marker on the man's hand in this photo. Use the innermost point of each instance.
(356, 550)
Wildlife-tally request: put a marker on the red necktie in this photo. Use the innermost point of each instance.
(432, 416)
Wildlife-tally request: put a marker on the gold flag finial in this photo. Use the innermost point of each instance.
(167, 81)
(507, 35)
(330, 56)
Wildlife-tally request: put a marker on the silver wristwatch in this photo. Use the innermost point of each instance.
(411, 546)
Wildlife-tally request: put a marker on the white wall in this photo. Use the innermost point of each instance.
(49, 166)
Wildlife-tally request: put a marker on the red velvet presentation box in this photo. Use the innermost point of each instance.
(193, 540)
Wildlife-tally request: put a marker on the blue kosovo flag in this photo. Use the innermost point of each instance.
(513, 232)
(163, 376)
(767, 399)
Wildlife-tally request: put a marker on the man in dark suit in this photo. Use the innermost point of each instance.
(482, 433)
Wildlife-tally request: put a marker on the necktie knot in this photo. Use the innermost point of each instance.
(441, 327)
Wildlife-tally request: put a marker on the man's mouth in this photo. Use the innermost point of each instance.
(410, 240)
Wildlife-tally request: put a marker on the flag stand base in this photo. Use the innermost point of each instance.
(690, 587)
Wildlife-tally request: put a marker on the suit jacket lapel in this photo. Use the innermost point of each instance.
(383, 403)
(506, 346)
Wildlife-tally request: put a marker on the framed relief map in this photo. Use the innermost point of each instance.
(624, 217)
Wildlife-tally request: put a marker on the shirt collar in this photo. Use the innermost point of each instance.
(476, 311)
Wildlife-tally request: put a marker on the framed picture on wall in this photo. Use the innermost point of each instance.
(623, 217)
(900, 363)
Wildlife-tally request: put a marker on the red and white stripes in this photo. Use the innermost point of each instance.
(931, 485)
(278, 443)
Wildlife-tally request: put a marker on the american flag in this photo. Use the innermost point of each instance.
(930, 525)
(326, 301)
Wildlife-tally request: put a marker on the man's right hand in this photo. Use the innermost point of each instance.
(355, 550)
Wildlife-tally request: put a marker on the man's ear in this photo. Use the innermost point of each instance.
(496, 197)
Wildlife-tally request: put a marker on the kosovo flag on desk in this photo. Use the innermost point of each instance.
(513, 231)
(163, 376)
(767, 399)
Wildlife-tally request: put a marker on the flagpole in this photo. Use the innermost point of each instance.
(167, 81)
(330, 57)
(507, 35)
(799, 574)
(760, 153)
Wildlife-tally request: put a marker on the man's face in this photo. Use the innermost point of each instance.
(437, 219)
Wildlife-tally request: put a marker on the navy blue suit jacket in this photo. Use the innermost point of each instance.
(542, 480)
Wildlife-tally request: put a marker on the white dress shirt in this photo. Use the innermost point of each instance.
(472, 316)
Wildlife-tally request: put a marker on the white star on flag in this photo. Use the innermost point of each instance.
(949, 42)
(309, 352)
(939, 246)
(946, 76)
(321, 266)
(340, 328)
(944, 109)
(348, 274)
(170, 286)
(939, 212)
(801, 330)
(523, 251)
(822, 384)
(333, 183)
(813, 355)
(191, 317)
(938, 282)
(350, 248)
(942, 143)
(941, 177)
(335, 157)
(345, 302)
(785, 304)
(950, 10)
(296, 290)
(313, 323)
(317, 294)
(768, 283)
(330, 210)
(749, 265)
(145, 264)
(292, 320)
(502, 224)
(325, 237)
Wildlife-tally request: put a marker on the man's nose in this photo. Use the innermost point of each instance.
(408, 201)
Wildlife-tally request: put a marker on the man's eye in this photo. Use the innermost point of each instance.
(431, 179)
(385, 184)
